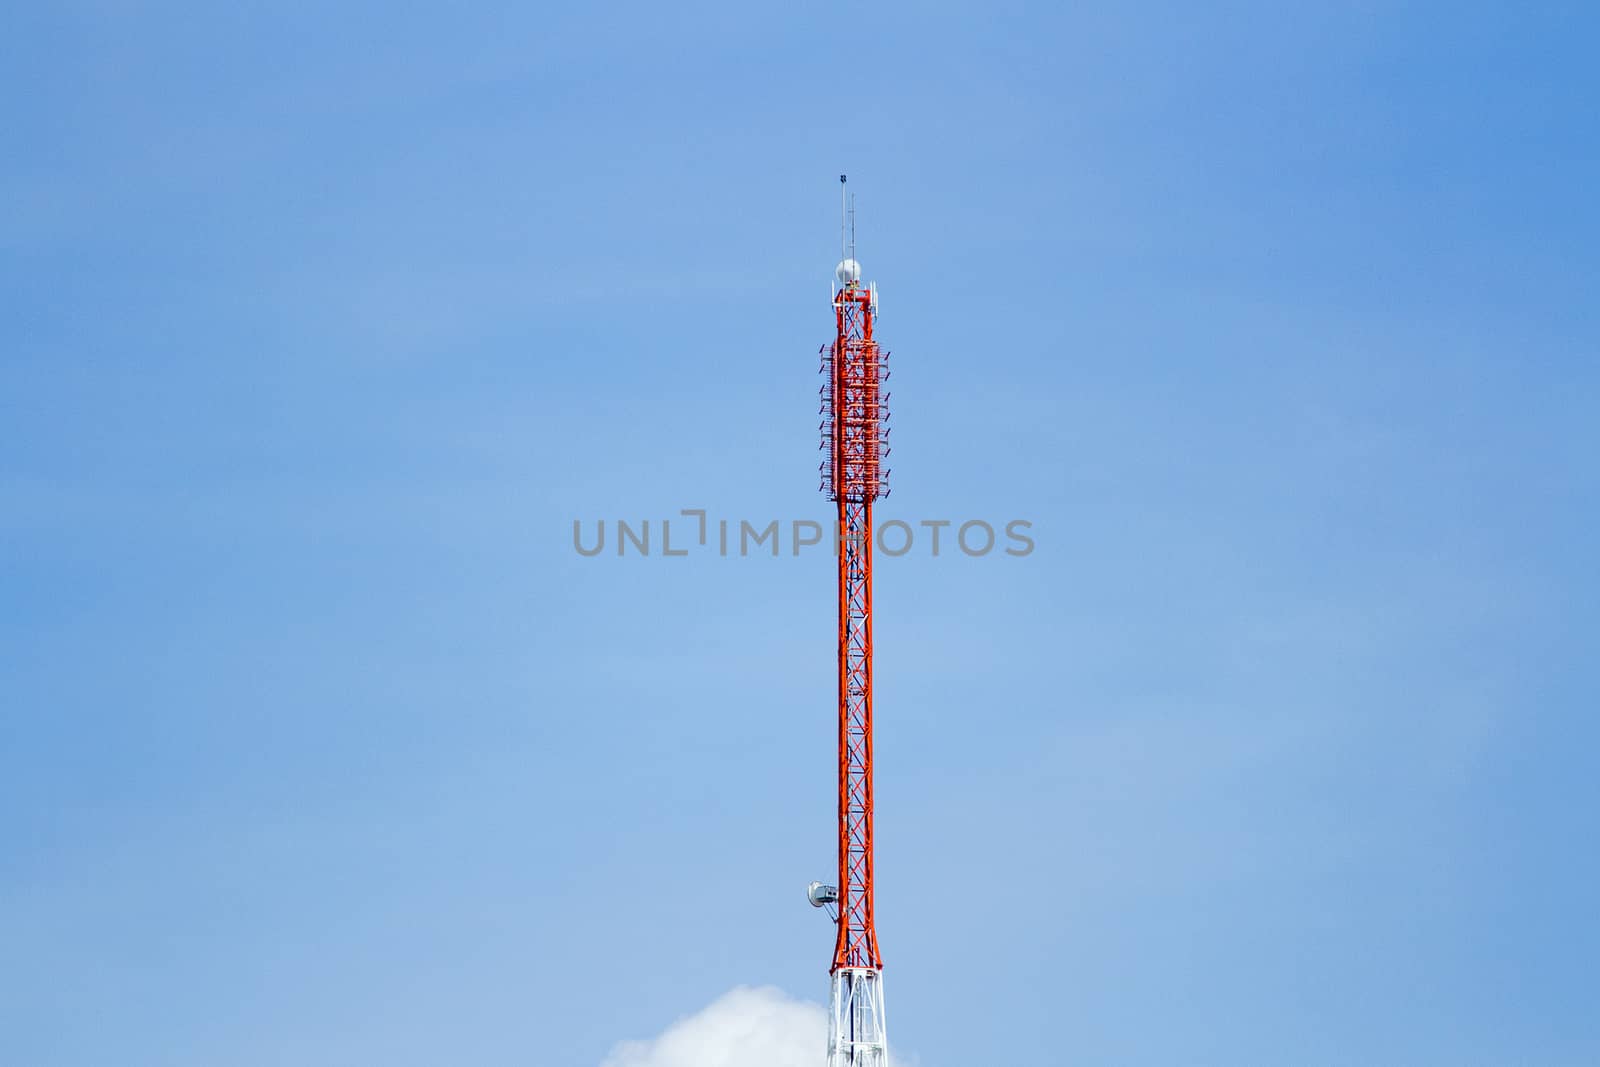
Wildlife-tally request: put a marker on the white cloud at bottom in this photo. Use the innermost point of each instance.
(743, 1028)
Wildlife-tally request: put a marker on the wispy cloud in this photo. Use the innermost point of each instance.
(743, 1028)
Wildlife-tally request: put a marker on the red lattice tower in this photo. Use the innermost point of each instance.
(855, 439)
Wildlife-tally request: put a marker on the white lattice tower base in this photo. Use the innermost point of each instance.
(856, 1036)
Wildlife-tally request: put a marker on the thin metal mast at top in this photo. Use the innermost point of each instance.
(842, 256)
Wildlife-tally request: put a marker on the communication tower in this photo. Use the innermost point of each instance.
(855, 441)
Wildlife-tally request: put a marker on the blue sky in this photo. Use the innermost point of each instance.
(319, 745)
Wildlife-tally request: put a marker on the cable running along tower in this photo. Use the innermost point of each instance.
(855, 441)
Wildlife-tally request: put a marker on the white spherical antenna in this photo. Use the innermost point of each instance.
(847, 271)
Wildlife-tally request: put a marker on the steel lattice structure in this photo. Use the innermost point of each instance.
(855, 440)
